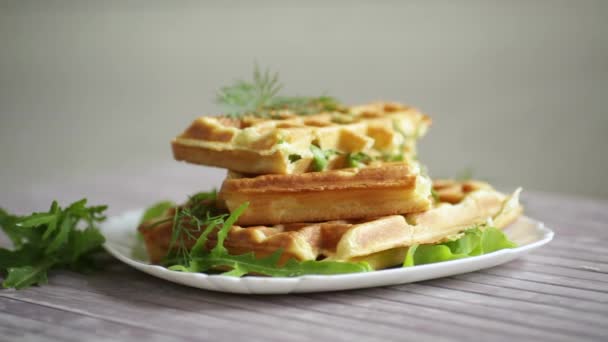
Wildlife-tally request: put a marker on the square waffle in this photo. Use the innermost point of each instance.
(385, 189)
(380, 241)
(254, 145)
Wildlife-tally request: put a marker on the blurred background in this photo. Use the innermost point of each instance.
(518, 90)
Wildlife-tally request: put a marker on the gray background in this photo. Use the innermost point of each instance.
(518, 90)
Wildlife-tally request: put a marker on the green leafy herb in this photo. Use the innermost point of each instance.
(294, 158)
(259, 97)
(200, 260)
(357, 159)
(249, 264)
(196, 217)
(50, 240)
(473, 242)
(320, 158)
(156, 210)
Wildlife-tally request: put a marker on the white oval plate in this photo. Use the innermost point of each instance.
(121, 242)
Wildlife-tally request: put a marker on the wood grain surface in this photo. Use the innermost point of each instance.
(558, 293)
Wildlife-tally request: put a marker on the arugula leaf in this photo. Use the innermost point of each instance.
(156, 210)
(474, 241)
(52, 225)
(37, 219)
(26, 276)
(21, 257)
(199, 245)
(219, 248)
(45, 241)
(8, 225)
(249, 264)
(62, 236)
(82, 242)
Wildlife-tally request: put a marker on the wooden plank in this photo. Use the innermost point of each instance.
(149, 316)
(572, 226)
(582, 244)
(491, 279)
(79, 326)
(453, 290)
(376, 313)
(540, 327)
(527, 264)
(14, 328)
(579, 257)
(599, 288)
(480, 324)
(182, 297)
(220, 318)
(569, 216)
(175, 294)
(567, 262)
(576, 305)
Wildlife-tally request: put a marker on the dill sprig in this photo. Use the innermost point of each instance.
(198, 216)
(260, 97)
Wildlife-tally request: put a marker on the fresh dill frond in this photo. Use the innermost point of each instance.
(189, 221)
(246, 97)
(259, 97)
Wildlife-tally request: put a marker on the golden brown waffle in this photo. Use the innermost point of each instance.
(254, 145)
(374, 191)
(452, 191)
(380, 241)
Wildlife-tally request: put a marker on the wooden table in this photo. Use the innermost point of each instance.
(559, 293)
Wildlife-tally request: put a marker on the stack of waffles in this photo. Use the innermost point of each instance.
(342, 186)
